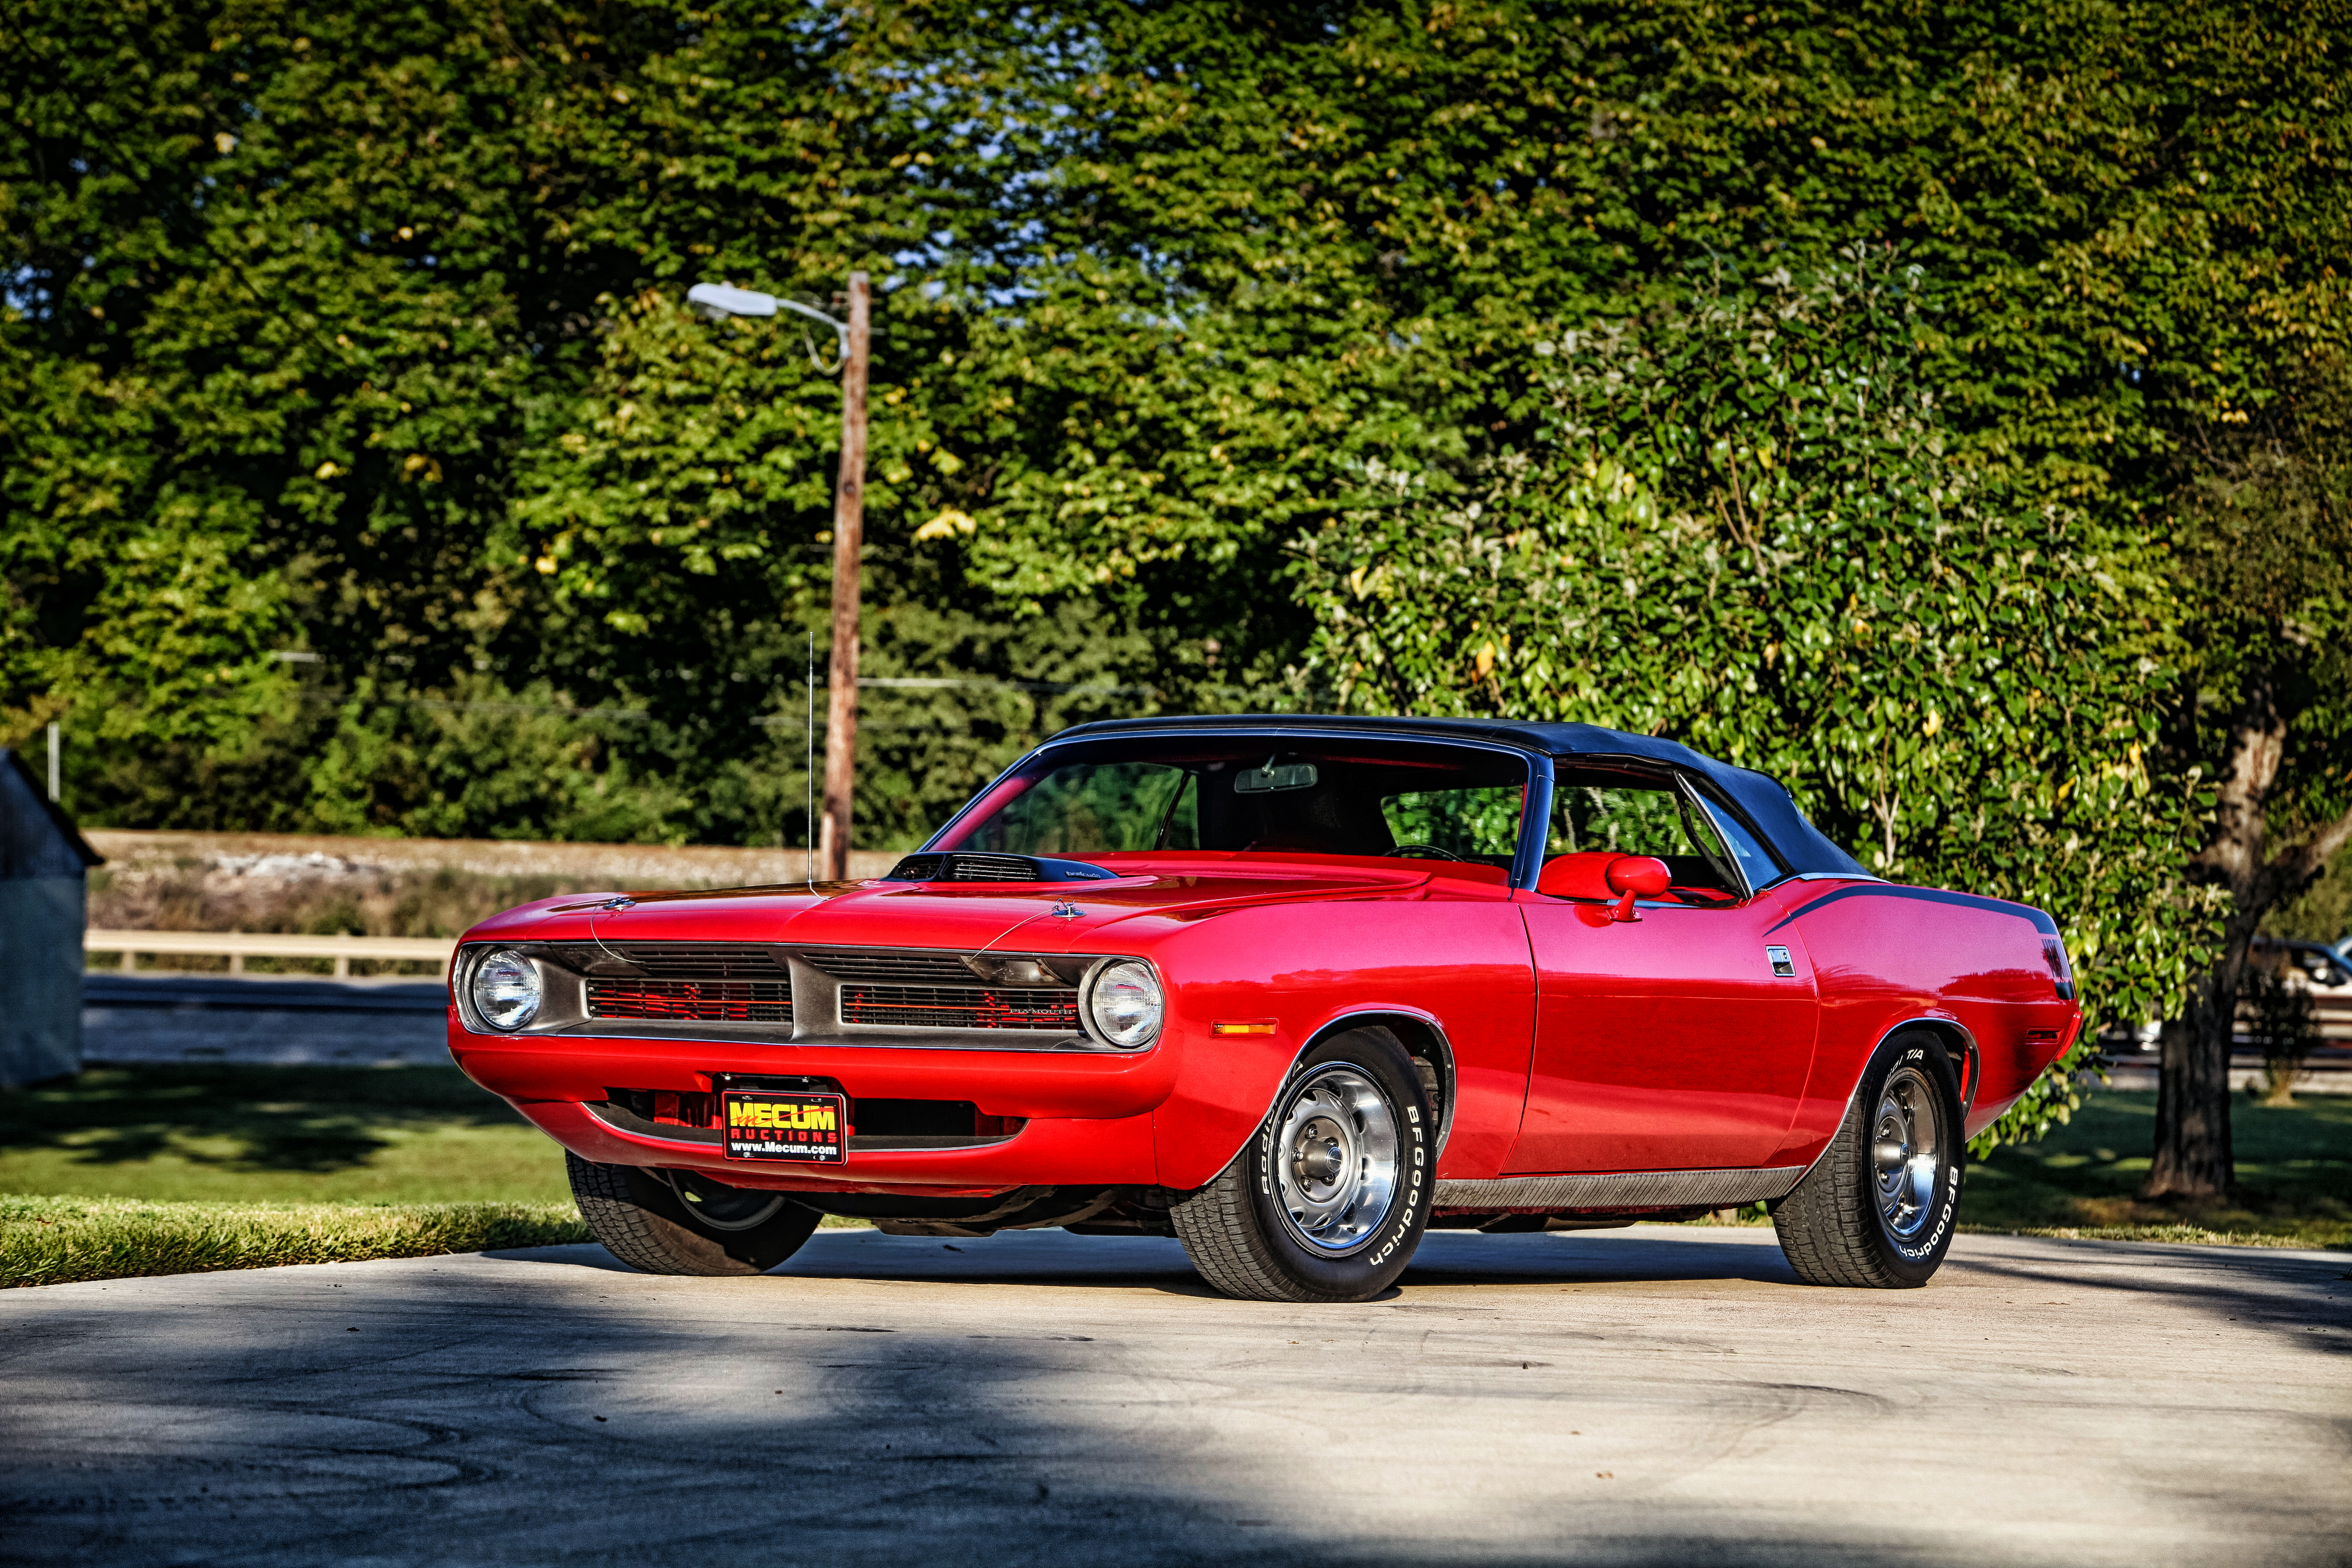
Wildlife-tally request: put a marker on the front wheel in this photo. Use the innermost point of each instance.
(1877, 1207)
(1330, 1199)
(666, 1223)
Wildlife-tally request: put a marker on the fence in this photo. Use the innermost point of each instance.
(240, 945)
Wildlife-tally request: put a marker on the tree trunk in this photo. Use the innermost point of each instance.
(2192, 1156)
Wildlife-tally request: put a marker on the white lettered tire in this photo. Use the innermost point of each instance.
(1330, 1199)
(1878, 1207)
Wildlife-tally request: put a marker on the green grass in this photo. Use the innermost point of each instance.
(2294, 1177)
(177, 1170)
(165, 1170)
(275, 1135)
(55, 1241)
(174, 1170)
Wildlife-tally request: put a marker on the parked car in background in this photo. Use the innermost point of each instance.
(2321, 969)
(1293, 991)
(2322, 966)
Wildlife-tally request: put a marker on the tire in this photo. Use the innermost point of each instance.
(1295, 1229)
(1876, 1210)
(661, 1222)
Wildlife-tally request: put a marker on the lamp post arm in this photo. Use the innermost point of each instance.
(841, 328)
(841, 336)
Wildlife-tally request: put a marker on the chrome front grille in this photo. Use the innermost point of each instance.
(662, 961)
(906, 966)
(994, 868)
(960, 1007)
(694, 1001)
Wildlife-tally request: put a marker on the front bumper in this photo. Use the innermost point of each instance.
(1048, 1151)
(1088, 1117)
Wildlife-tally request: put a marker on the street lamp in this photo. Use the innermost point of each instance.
(717, 301)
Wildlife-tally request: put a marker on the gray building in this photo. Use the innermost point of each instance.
(43, 862)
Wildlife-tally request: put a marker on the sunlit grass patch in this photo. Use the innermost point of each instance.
(55, 1241)
(2294, 1177)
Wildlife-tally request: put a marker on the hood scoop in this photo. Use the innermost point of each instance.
(964, 865)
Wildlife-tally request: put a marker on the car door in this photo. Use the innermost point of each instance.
(1679, 1040)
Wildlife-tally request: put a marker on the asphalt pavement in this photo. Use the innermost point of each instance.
(280, 1020)
(1649, 1396)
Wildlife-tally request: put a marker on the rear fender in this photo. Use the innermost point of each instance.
(1959, 1043)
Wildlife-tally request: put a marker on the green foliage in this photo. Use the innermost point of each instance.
(1748, 530)
(2262, 524)
(2323, 914)
(356, 332)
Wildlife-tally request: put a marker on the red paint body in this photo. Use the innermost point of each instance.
(1577, 1043)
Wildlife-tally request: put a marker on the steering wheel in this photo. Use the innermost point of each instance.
(1418, 852)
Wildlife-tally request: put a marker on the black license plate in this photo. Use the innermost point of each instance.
(773, 1124)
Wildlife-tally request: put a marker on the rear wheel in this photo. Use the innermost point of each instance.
(678, 1222)
(1329, 1200)
(1877, 1207)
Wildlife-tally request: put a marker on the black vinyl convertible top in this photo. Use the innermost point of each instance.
(1764, 799)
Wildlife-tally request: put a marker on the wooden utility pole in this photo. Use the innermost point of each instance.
(848, 546)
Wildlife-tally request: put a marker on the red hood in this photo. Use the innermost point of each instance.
(973, 917)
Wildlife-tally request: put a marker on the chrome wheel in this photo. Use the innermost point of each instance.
(718, 1207)
(1335, 1159)
(1907, 1146)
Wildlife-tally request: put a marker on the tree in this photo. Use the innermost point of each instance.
(1751, 528)
(334, 291)
(2265, 533)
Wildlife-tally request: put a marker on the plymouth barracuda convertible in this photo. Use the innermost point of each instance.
(1292, 990)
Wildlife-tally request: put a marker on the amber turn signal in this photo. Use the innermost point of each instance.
(1242, 1025)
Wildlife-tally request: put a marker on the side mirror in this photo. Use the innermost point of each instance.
(1632, 876)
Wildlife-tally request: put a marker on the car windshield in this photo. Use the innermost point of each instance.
(1275, 795)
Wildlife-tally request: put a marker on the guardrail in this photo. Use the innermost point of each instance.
(240, 945)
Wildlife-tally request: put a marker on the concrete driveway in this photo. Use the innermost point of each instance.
(1657, 1395)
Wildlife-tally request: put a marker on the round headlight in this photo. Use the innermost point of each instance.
(1126, 1003)
(506, 990)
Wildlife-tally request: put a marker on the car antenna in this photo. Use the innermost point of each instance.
(808, 773)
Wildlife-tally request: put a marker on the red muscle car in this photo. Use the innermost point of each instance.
(1292, 989)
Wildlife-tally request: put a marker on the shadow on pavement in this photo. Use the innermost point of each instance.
(1124, 1263)
(543, 1405)
(313, 1120)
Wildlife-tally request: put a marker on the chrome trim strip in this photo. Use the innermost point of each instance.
(1535, 824)
(1370, 1016)
(1968, 1048)
(1826, 878)
(1538, 764)
(726, 1034)
(1968, 1100)
(1746, 890)
(815, 1002)
(1623, 1189)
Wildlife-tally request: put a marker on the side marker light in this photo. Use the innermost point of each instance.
(1242, 1025)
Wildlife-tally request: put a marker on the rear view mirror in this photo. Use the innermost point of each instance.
(1632, 876)
(1270, 780)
